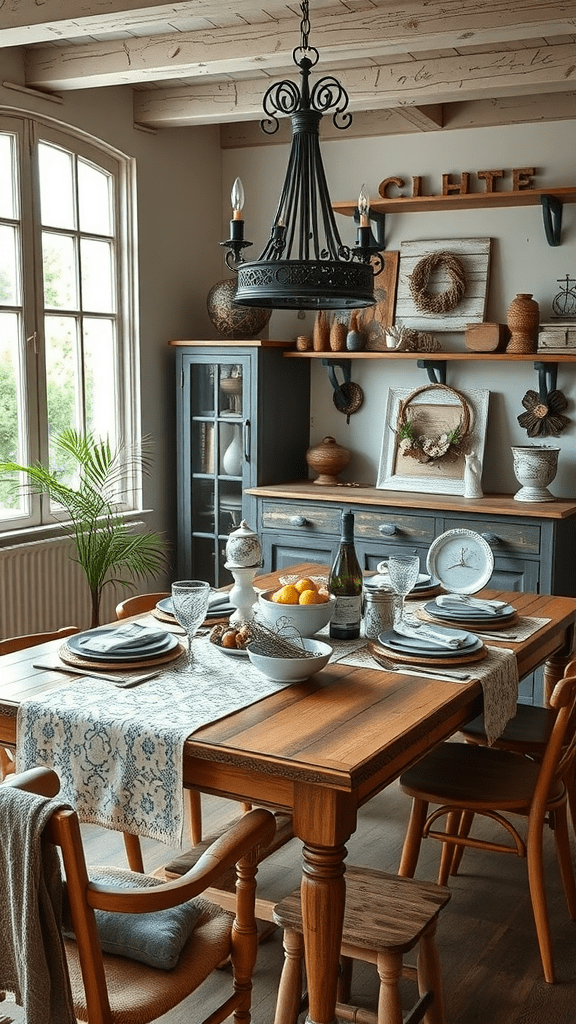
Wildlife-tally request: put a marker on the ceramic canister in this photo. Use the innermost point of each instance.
(243, 547)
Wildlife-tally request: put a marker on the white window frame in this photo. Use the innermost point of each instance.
(30, 129)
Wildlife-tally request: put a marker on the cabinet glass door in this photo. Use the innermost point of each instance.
(220, 459)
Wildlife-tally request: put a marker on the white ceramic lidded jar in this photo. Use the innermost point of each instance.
(243, 547)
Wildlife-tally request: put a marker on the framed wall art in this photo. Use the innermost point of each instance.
(442, 283)
(427, 434)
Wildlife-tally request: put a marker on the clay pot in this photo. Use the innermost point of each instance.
(523, 320)
(327, 459)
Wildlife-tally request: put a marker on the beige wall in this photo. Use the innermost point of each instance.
(521, 261)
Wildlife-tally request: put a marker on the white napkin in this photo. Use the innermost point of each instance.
(448, 600)
(428, 634)
(130, 636)
(216, 598)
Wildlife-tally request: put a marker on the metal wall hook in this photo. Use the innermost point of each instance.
(348, 397)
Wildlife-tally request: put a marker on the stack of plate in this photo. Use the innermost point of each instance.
(425, 583)
(471, 616)
(423, 651)
(129, 644)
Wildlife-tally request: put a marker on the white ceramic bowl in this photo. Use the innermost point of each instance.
(292, 670)
(306, 618)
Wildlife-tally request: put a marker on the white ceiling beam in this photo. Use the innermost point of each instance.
(23, 22)
(266, 42)
(415, 83)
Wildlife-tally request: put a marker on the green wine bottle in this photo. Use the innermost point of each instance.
(345, 582)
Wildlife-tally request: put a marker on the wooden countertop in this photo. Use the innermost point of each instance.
(490, 504)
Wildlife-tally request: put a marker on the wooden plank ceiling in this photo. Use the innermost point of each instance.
(407, 65)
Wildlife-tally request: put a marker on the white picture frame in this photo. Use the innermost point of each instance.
(400, 473)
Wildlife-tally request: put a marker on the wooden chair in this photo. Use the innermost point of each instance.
(385, 917)
(528, 734)
(112, 989)
(138, 604)
(20, 643)
(466, 780)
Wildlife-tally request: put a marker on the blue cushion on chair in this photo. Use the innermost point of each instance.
(155, 938)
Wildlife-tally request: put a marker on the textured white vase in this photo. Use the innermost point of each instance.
(535, 467)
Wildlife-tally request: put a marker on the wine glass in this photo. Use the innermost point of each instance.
(190, 603)
(403, 571)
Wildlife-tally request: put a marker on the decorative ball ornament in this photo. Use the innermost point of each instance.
(229, 318)
(437, 302)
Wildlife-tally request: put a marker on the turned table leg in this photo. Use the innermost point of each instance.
(555, 665)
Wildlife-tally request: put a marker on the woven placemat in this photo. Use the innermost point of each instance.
(70, 658)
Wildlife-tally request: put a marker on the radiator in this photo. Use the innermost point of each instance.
(43, 588)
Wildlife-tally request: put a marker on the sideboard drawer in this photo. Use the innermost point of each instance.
(301, 518)
(516, 537)
(402, 529)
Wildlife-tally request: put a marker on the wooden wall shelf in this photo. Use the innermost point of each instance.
(481, 200)
(439, 357)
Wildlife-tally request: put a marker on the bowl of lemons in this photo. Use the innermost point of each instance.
(304, 605)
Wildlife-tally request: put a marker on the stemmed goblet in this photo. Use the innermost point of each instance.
(403, 571)
(190, 603)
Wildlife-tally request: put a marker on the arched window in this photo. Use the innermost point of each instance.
(68, 314)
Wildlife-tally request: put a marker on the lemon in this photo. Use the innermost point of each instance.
(286, 595)
(311, 597)
(305, 584)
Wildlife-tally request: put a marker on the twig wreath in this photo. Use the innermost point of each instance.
(437, 302)
(448, 444)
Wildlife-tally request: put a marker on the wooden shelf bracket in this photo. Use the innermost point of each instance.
(346, 366)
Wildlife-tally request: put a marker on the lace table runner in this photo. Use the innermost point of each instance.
(119, 753)
(497, 672)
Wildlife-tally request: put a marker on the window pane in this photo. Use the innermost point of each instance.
(11, 501)
(8, 204)
(94, 199)
(60, 290)
(9, 293)
(61, 381)
(56, 187)
(96, 274)
(99, 377)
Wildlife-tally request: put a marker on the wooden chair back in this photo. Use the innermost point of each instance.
(239, 846)
(20, 643)
(138, 604)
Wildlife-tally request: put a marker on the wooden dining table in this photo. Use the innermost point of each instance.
(321, 749)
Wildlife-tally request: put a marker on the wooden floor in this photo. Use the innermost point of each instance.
(486, 937)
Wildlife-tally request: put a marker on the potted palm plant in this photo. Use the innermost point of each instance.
(108, 549)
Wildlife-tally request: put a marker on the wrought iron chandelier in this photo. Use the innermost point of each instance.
(304, 264)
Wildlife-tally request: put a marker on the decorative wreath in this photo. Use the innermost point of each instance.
(437, 302)
(447, 445)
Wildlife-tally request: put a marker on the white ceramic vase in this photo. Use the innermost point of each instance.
(232, 458)
(535, 467)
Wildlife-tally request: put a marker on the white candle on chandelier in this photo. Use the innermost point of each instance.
(364, 207)
(237, 199)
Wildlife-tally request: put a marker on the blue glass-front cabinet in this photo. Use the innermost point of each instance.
(243, 418)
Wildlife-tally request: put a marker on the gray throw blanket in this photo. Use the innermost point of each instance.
(33, 962)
